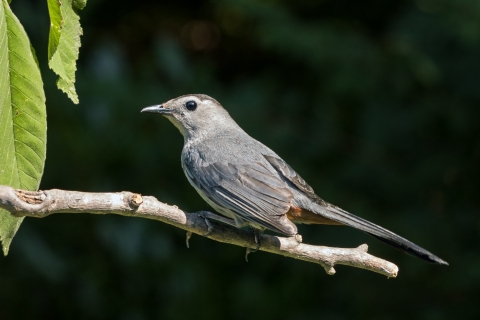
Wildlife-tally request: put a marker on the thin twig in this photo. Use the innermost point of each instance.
(40, 204)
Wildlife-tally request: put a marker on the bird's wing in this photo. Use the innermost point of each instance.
(251, 191)
(286, 171)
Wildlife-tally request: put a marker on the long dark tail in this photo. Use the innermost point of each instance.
(336, 214)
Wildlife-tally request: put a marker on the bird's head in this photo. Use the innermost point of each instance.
(193, 114)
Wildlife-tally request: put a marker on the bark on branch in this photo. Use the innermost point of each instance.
(40, 204)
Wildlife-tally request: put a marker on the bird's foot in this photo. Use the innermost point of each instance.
(209, 224)
(257, 235)
(247, 252)
(189, 235)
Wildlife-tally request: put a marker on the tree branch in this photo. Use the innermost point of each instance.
(40, 204)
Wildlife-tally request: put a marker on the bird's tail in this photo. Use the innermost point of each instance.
(339, 215)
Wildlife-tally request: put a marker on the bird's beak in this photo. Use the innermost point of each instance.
(157, 109)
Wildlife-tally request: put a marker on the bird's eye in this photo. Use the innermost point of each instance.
(191, 105)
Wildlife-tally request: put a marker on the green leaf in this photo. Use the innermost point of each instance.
(63, 43)
(23, 123)
(79, 4)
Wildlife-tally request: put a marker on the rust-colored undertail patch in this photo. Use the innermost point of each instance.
(299, 215)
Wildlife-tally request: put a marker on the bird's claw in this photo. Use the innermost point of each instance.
(247, 252)
(189, 235)
(209, 224)
(257, 241)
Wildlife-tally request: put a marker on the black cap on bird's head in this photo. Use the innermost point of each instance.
(193, 114)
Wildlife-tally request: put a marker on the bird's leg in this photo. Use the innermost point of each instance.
(257, 234)
(207, 216)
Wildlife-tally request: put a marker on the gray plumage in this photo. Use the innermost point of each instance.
(244, 180)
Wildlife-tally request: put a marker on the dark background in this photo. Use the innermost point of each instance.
(376, 103)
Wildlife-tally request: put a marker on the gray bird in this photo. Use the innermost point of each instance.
(246, 181)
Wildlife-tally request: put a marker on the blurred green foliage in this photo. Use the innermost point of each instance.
(375, 103)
